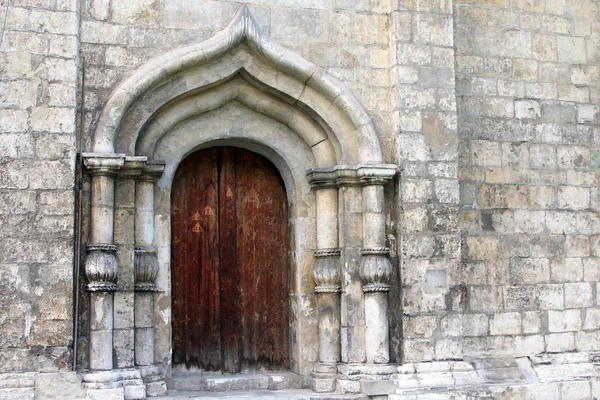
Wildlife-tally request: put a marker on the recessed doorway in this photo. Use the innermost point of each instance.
(229, 260)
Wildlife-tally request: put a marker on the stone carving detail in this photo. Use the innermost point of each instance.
(375, 269)
(146, 268)
(326, 271)
(101, 267)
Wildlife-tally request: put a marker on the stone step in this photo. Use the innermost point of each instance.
(184, 381)
(17, 394)
(285, 394)
(20, 380)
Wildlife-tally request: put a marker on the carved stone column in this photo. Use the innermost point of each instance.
(145, 264)
(101, 262)
(326, 275)
(375, 267)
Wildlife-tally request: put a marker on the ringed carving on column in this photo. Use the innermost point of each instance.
(240, 63)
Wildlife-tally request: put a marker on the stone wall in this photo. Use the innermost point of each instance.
(528, 94)
(37, 161)
(490, 108)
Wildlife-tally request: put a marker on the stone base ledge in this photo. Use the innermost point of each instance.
(499, 374)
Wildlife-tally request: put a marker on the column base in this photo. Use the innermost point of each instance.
(369, 379)
(155, 383)
(126, 384)
(323, 378)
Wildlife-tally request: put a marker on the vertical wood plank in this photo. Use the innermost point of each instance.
(228, 252)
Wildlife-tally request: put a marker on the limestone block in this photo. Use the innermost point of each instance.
(527, 109)
(575, 390)
(105, 394)
(17, 202)
(505, 323)
(558, 112)
(413, 54)
(418, 350)
(586, 113)
(59, 69)
(13, 120)
(309, 24)
(55, 146)
(371, 29)
(143, 12)
(416, 190)
(571, 49)
(550, 296)
(102, 32)
(61, 385)
(51, 175)
(573, 198)
(433, 28)
(53, 119)
(154, 389)
(561, 222)
(464, 325)
(544, 47)
(578, 295)
(564, 321)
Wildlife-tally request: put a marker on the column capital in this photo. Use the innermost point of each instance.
(376, 174)
(132, 167)
(152, 171)
(103, 163)
(351, 175)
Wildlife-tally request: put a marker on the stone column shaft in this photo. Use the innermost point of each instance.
(146, 264)
(375, 265)
(101, 262)
(326, 273)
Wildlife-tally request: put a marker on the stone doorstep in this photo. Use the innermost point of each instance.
(17, 393)
(284, 394)
(20, 380)
(189, 381)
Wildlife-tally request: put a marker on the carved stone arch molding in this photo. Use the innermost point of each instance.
(239, 88)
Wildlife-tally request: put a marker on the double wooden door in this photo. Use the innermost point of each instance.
(229, 263)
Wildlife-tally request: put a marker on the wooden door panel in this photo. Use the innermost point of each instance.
(229, 263)
(262, 249)
(195, 263)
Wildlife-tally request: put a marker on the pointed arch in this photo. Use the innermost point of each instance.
(242, 60)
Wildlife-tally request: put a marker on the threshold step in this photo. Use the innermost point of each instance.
(189, 381)
(285, 394)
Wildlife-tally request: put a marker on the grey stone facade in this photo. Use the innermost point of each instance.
(445, 241)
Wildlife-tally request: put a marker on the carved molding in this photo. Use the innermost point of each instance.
(326, 271)
(101, 267)
(346, 175)
(375, 269)
(145, 268)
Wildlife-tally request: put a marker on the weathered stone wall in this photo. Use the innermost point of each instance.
(490, 108)
(528, 81)
(426, 126)
(37, 159)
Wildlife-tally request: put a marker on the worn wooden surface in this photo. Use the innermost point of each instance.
(229, 263)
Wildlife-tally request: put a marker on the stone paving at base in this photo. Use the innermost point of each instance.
(290, 394)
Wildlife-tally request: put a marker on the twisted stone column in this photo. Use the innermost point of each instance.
(145, 264)
(375, 266)
(101, 261)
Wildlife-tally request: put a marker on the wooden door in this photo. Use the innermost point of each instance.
(229, 263)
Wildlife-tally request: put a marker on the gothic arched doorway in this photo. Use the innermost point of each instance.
(229, 258)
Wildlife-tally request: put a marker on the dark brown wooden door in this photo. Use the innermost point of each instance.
(229, 263)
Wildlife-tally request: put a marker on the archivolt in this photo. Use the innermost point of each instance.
(239, 63)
